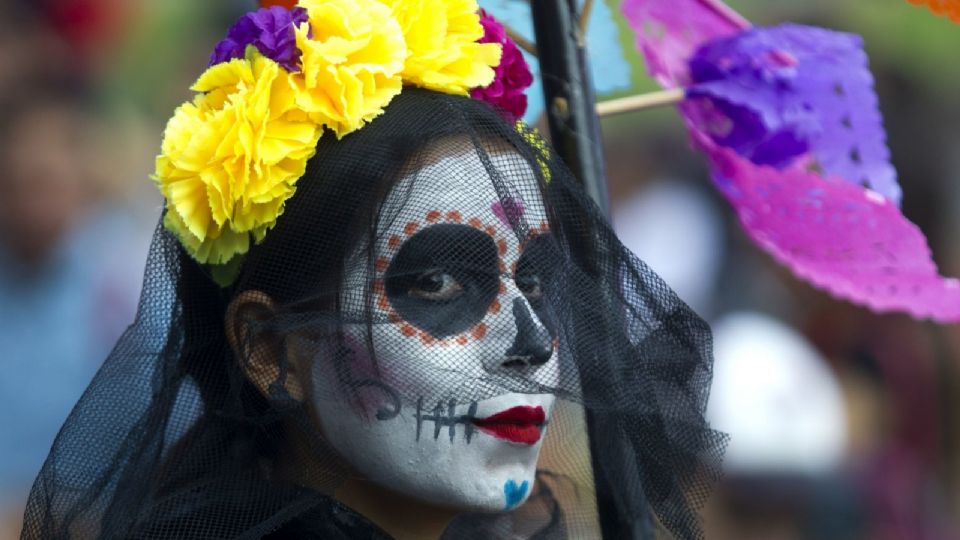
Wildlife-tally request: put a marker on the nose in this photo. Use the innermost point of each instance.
(533, 345)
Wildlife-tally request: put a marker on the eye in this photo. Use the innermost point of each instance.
(530, 286)
(444, 278)
(436, 286)
(539, 261)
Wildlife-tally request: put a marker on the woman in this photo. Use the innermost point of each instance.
(408, 351)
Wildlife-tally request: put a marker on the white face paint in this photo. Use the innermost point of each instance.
(454, 314)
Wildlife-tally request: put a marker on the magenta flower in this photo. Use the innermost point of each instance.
(507, 92)
(270, 30)
(788, 120)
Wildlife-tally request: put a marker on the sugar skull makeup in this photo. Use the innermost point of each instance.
(442, 400)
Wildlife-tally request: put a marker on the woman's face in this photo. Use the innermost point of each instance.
(416, 402)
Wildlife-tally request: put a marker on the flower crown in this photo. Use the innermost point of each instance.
(232, 156)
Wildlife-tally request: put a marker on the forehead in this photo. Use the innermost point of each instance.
(501, 191)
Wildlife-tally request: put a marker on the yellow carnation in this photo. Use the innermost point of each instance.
(353, 52)
(230, 159)
(442, 40)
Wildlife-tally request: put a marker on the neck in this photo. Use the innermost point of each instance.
(401, 517)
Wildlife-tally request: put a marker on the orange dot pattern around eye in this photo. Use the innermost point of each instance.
(479, 331)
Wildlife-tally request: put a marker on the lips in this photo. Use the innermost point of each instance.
(519, 425)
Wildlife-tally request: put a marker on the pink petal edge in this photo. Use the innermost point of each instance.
(842, 238)
(669, 31)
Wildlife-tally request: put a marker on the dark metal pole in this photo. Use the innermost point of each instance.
(575, 131)
(568, 94)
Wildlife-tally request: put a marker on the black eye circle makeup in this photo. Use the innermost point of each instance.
(444, 278)
(540, 256)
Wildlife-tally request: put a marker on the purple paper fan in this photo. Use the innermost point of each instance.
(848, 240)
(829, 230)
(775, 94)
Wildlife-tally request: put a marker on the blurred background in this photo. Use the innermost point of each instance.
(844, 423)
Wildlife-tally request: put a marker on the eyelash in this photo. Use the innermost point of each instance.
(530, 286)
(448, 287)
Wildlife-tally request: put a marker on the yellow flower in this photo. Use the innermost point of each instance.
(353, 52)
(230, 159)
(442, 39)
(532, 136)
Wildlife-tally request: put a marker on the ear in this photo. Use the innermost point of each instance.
(262, 355)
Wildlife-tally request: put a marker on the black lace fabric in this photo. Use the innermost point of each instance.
(209, 421)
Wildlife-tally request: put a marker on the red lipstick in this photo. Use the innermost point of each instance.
(519, 424)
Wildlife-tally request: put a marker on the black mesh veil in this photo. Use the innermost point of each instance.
(430, 263)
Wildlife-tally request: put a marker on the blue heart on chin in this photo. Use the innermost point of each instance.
(514, 493)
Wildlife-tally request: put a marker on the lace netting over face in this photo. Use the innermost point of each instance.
(435, 312)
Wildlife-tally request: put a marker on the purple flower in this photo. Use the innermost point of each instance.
(511, 78)
(270, 30)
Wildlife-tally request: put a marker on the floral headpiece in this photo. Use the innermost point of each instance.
(232, 156)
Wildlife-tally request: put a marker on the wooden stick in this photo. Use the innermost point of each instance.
(640, 102)
(585, 17)
(521, 41)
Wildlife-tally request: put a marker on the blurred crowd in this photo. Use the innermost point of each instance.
(843, 423)
(80, 122)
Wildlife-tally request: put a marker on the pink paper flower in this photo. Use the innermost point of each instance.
(507, 92)
(836, 225)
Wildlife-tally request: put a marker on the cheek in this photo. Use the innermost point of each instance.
(432, 372)
(346, 373)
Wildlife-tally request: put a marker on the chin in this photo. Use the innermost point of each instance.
(493, 492)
